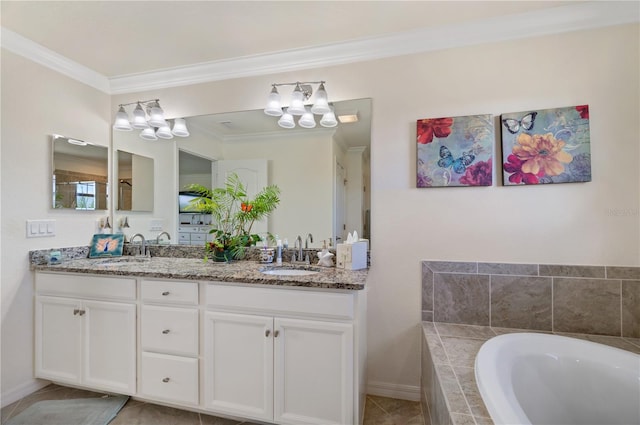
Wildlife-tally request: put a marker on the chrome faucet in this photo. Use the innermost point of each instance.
(307, 240)
(162, 234)
(298, 246)
(143, 246)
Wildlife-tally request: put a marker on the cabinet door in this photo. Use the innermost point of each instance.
(313, 372)
(238, 364)
(110, 346)
(58, 339)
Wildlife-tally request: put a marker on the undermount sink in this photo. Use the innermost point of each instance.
(123, 260)
(289, 272)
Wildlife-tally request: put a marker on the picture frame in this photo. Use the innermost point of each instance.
(106, 245)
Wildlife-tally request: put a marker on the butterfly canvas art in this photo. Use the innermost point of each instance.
(455, 151)
(546, 146)
(106, 245)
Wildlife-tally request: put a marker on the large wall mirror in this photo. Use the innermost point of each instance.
(135, 182)
(80, 175)
(323, 173)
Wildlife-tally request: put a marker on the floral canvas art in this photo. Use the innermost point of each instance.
(455, 151)
(546, 146)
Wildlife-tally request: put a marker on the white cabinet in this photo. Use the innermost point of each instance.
(84, 341)
(169, 341)
(194, 235)
(280, 366)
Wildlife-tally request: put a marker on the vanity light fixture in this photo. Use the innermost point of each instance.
(153, 127)
(301, 93)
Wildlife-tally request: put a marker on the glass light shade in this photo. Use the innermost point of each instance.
(297, 102)
(148, 134)
(139, 118)
(273, 104)
(322, 104)
(329, 119)
(122, 120)
(164, 132)
(180, 128)
(156, 115)
(286, 120)
(307, 120)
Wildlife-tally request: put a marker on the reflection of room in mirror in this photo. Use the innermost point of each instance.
(79, 179)
(135, 182)
(301, 162)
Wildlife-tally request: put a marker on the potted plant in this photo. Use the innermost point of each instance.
(233, 214)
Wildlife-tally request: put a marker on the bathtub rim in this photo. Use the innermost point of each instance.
(501, 401)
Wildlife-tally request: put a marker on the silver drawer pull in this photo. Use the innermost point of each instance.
(166, 331)
(165, 380)
(76, 311)
(165, 293)
(81, 312)
(267, 333)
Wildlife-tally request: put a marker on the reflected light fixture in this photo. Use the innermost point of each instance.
(153, 127)
(301, 93)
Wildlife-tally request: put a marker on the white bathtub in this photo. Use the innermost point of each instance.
(528, 378)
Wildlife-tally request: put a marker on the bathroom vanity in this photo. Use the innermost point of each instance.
(223, 339)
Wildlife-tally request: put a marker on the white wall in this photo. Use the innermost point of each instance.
(36, 103)
(570, 223)
(564, 223)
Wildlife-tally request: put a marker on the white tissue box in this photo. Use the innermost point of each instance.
(351, 256)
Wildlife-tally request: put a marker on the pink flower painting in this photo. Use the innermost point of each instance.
(539, 147)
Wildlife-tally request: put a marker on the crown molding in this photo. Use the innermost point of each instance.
(573, 17)
(35, 52)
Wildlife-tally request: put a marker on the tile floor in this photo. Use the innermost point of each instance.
(378, 411)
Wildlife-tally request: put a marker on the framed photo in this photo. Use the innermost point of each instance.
(546, 146)
(455, 151)
(105, 245)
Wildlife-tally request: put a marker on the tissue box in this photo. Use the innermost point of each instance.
(351, 256)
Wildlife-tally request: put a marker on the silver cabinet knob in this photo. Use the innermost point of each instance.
(276, 333)
(81, 312)
(166, 331)
(165, 380)
(267, 333)
(165, 293)
(76, 311)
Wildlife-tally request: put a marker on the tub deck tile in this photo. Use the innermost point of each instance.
(453, 349)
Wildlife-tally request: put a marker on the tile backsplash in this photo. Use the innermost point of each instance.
(601, 300)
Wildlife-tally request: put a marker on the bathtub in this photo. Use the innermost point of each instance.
(528, 378)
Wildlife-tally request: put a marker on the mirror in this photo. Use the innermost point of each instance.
(134, 177)
(80, 175)
(323, 173)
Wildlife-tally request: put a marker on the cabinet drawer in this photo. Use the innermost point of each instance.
(170, 378)
(184, 237)
(169, 330)
(85, 286)
(275, 300)
(198, 236)
(168, 292)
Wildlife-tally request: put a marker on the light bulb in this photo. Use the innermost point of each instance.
(148, 134)
(122, 120)
(273, 104)
(286, 120)
(164, 132)
(139, 118)
(329, 119)
(322, 104)
(180, 128)
(297, 102)
(307, 120)
(156, 115)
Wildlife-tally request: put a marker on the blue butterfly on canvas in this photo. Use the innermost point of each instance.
(459, 165)
(526, 122)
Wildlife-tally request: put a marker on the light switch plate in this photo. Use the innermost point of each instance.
(41, 228)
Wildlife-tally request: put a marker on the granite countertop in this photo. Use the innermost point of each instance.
(242, 271)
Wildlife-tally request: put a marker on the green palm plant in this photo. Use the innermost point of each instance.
(233, 215)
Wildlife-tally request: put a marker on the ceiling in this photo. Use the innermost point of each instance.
(117, 38)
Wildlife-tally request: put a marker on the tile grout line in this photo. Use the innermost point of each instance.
(553, 321)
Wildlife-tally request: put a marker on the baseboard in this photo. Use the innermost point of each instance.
(22, 391)
(385, 389)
